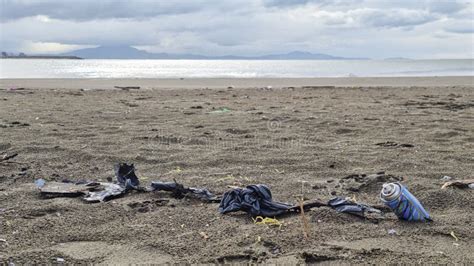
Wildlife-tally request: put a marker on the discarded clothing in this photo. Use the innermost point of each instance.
(347, 206)
(254, 199)
(179, 191)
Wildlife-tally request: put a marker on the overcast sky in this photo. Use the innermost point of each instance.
(357, 28)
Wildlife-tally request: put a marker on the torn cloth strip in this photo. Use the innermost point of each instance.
(345, 205)
(255, 200)
(179, 191)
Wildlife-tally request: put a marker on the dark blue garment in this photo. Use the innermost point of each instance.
(255, 200)
(126, 175)
(343, 205)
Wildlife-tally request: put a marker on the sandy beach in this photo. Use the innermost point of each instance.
(298, 136)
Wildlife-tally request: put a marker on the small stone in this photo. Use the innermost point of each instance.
(446, 178)
(392, 232)
(60, 260)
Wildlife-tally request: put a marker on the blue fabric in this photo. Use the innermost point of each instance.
(255, 200)
(343, 205)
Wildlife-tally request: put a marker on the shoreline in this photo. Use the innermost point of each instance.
(149, 83)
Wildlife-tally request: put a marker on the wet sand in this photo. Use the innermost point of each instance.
(297, 140)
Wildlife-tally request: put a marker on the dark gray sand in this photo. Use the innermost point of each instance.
(282, 137)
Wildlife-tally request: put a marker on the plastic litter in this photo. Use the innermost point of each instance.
(254, 199)
(127, 180)
(349, 206)
(220, 111)
(267, 221)
(108, 192)
(403, 203)
(126, 175)
(65, 189)
(469, 183)
(179, 191)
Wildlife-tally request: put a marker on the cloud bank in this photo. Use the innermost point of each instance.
(353, 28)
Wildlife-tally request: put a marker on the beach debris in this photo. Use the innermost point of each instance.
(7, 157)
(220, 111)
(179, 191)
(126, 88)
(445, 178)
(394, 144)
(126, 175)
(454, 236)
(403, 203)
(257, 201)
(350, 206)
(392, 232)
(468, 183)
(65, 189)
(267, 221)
(204, 235)
(254, 199)
(127, 180)
(109, 191)
(60, 260)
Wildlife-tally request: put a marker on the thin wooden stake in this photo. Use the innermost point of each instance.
(304, 221)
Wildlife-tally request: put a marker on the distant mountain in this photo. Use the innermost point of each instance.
(127, 52)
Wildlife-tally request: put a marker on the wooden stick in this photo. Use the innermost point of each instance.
(304, 221)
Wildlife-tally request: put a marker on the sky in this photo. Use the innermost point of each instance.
(350, 28)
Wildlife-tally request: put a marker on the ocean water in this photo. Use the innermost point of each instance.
(54, 68)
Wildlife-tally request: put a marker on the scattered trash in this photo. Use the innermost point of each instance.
(267, 221)
(126, 175)
(126, 181)
(221, 110)
(446, 178)
(254, 199)
(469, 183)
(179, 191)
(204, 235)
(7, 157)
(65, 189)
(108, 192)
(257, 201)
(60, 260)
(347, 205)
(392, 232)
(126, 88)
(394, 144)
(454, 236)
(403, 203)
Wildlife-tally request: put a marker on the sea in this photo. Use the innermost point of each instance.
(89, 68)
